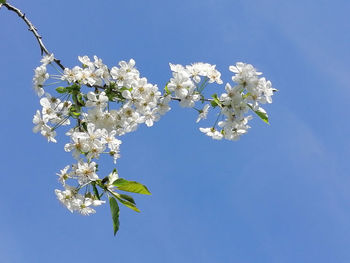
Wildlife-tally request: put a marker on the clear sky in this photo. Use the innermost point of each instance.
(280, 194)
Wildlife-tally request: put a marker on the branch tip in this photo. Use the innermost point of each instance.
(33, 29)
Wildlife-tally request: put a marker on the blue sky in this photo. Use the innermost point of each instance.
(280, 194)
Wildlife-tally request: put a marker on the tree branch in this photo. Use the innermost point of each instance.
(178, 99)
(44, 50)
(33, 29)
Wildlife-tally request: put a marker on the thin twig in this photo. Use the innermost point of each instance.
(43, 49)
(178, 99)
(172, 98)
(33, 29)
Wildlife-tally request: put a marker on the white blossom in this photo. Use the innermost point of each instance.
(86, 172)
(212, 132)
(38, 121)
(47, 59)
(203, 113)
(97, 100)
(63, 175)
(39, 78)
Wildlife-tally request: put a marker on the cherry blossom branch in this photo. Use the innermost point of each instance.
(138, 101)
(34, 30)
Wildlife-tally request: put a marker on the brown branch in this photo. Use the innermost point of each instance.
(43, 49)
(172, 98)
(178, 99)
(33, 29)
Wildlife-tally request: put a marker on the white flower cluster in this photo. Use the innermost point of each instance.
(110, 102)
(92, 73)
(143, 101)
(77, 202)
(92, 142)
(41, 75)
(185, 83)
(53, 111)
(98, 124)
(238, 100)
(85, 173)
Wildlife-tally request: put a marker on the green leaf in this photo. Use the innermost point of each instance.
(261, 113)
(128, 198)
(125, 88)
(166, 89)
(75, 114)
(2, 1)
(110, 91)
(129, 204)
(246, 95)
(61, 89)
(131, 186)
(96, 191)
(125, 202)
(80, 99)
(73, 89)
(115, 214)
(215, 102)
(75, 98)
(74, 111)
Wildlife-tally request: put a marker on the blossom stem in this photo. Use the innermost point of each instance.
(217, 119)
(53, 83)
(201, 88)
(58, 124)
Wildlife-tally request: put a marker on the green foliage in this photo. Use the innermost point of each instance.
(95, 190)
(73, 89)
(74, 112)
(126, 202)
(115, 214)
(128, 198)
(261, 113)
(80, 99)
(215, 102)
(131, 186)
(246, 95)
(61, 90)
(167, 90)
(110, 91)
